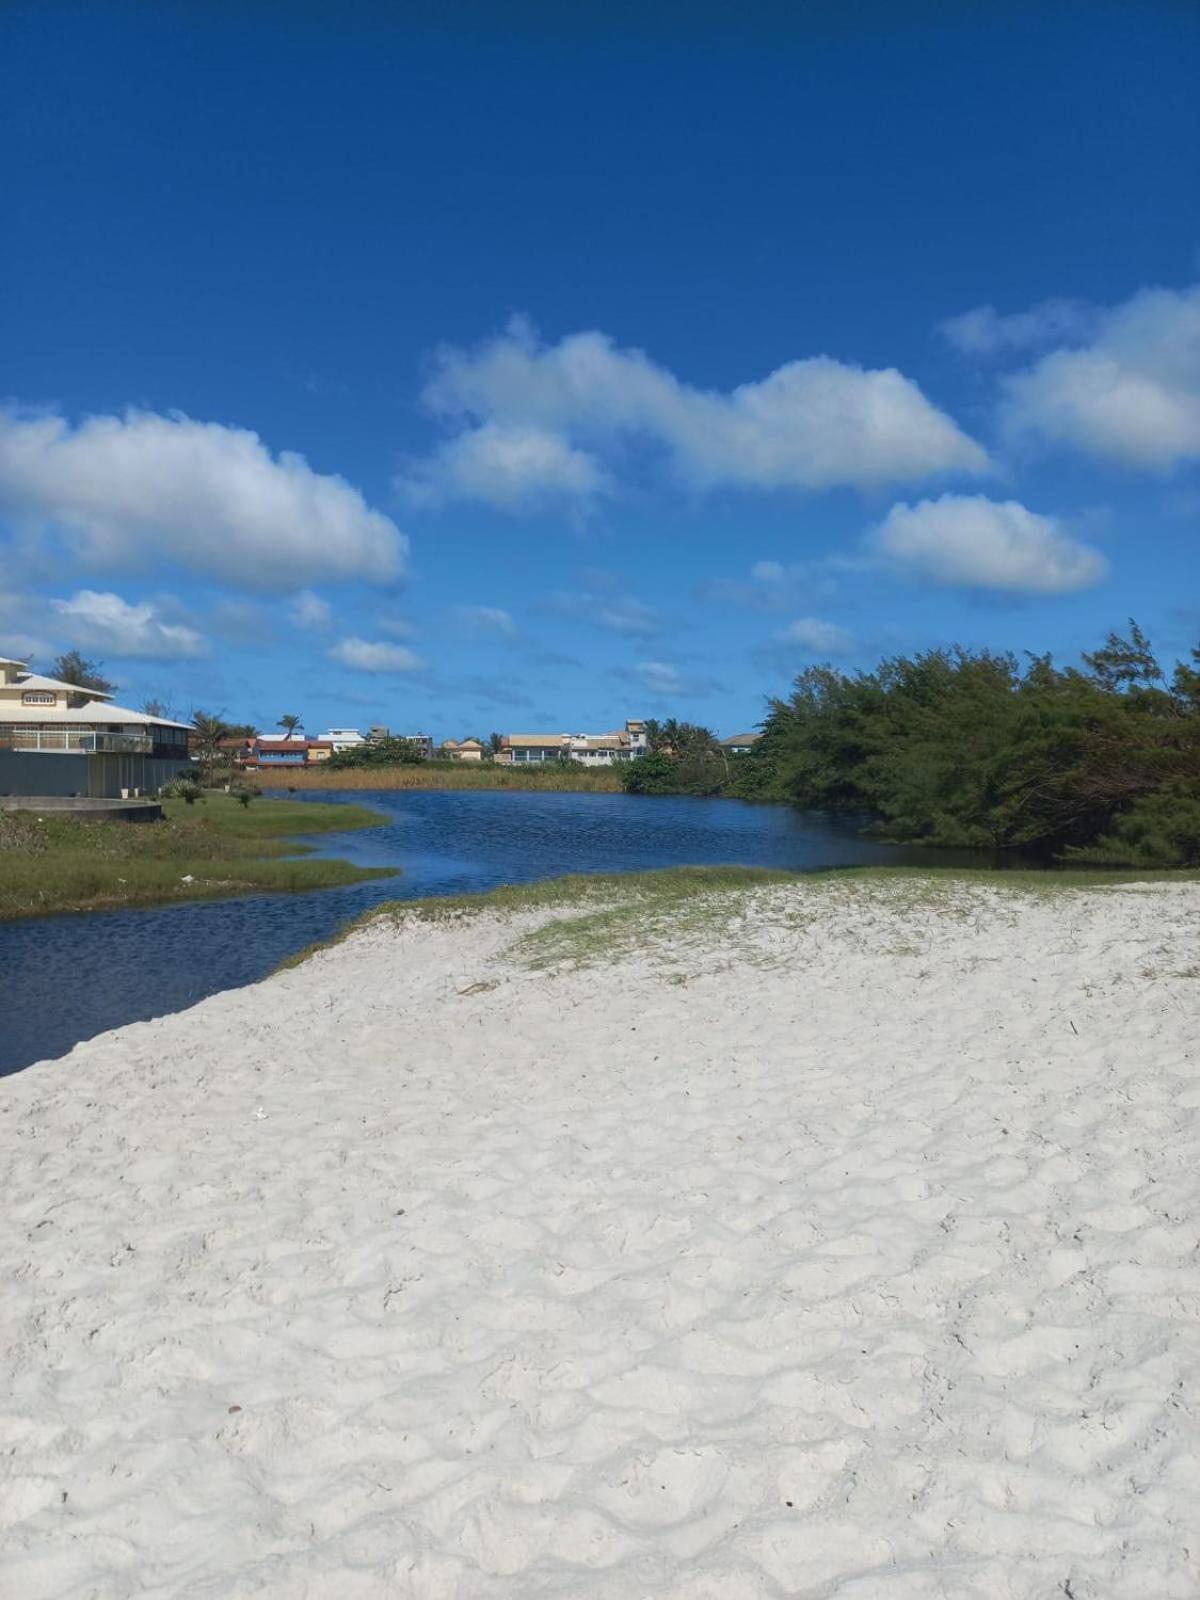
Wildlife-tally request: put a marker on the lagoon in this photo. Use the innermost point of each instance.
(66, 978)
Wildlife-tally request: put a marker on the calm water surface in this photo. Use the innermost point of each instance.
(63, 979)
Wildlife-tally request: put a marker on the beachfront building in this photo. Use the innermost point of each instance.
(740, 744)
(461, 749)
(590, 749)
(59, 739)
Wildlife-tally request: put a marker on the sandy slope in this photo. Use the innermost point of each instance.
(848, 1248)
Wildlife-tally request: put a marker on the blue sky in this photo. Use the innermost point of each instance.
(536, 373)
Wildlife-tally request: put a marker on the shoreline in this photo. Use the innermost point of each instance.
(823, 1235)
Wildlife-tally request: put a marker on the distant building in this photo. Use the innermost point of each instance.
(343, 738)
(288, 753)
(377, 733)
(740, 744)
(590, 749)
(423, 742)
(462, 750)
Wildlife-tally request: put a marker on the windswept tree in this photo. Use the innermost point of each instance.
(289, 724)
(72, 667)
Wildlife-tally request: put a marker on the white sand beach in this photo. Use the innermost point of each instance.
(841, 1242)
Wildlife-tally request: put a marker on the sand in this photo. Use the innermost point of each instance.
(844, 1243)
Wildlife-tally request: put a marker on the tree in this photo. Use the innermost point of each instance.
(209, 730)
(289, 724)
(71, 667)
(153, 707)
(494, 745)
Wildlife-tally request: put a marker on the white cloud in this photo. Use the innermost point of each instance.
(532, 418)
(128, 491)
(666, 681)
(509, 465)
(91, 620)
(1131, 395)
(485, 621)
(972, 542)
(309, 610)
(819, 636)
(366, 655)
(982, 331)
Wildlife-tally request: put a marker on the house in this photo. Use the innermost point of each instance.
(740, 744)
(59, 739)
(290, 752)
(464, 750)
(342, 738)
(591, 749)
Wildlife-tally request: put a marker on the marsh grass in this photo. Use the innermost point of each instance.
(452, 775)
(608, 915)
(56, 863)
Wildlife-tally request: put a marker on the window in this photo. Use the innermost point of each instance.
(38, 697)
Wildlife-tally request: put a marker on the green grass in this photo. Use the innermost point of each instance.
(55, 862)
(608, 914)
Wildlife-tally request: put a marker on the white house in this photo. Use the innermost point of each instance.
(342, 738)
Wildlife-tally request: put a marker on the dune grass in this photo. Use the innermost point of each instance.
(451, 775)
(606, 914)
(215, 848)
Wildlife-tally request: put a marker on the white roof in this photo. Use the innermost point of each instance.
(92, 711)
(35, 680)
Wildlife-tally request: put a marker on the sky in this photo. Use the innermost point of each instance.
(551, 366)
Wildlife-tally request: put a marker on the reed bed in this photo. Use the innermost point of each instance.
(444, 775)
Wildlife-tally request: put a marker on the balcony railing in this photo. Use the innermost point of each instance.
(73, 740)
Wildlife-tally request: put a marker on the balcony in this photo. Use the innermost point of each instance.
(75, 741)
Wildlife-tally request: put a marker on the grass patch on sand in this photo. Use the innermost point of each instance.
(607, 915)
(55, 862)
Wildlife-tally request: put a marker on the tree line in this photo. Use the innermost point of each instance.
(953, 747)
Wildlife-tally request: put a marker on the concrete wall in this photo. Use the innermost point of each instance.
(98, 776)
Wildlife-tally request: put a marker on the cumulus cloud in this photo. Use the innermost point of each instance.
(1130, 395)
(532, 419)
(485, 621)
(818, 636)
(100, 621)
(983, 331)
(367, 655)
(309, 610)
(126, 491)
(513, 466)
(971, 542)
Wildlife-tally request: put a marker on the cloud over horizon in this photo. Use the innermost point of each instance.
(1130, 395)
(368, 655)
(92, 620)
(125, 492)
(971, 542)
(531, 421)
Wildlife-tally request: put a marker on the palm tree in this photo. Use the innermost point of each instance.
(289, 724)
(209, 731)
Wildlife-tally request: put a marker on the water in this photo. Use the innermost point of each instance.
(63, 979)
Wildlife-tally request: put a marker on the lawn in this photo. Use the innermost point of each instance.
(213, 848)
